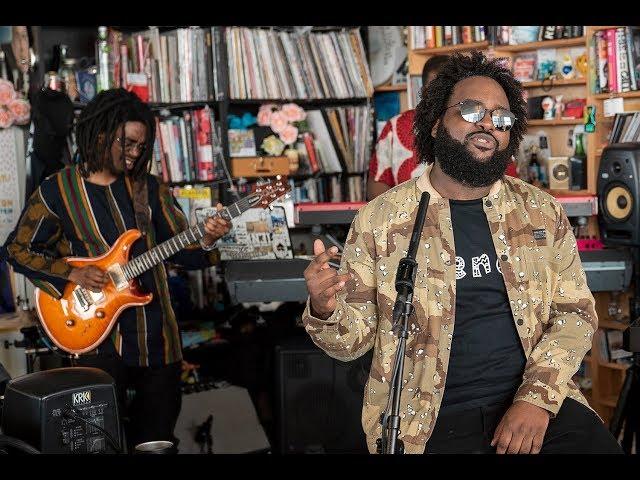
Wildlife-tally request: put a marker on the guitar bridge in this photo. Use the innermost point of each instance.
(117, 277)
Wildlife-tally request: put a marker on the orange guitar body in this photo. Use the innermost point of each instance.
(78, 328)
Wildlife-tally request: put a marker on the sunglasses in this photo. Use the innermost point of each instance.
(474, 111)
(130, 145)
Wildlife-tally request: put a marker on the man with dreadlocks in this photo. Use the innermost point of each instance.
(81, 211)
(503, 315)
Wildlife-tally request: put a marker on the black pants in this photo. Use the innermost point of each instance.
(154, 410)
(575, 429)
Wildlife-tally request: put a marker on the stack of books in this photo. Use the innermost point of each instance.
(181, 65)
(276, 64)
(626, 128)
(184, 147)
(517, 35)
(439, 36)
(615, 55)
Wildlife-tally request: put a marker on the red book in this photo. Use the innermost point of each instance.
(205, 145)
(311, 152)
(612, 60)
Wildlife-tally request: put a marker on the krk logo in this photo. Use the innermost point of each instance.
(80, 398)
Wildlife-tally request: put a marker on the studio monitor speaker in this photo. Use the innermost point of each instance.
(618, 188)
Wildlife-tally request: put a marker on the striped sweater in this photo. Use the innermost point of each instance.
(69, 216)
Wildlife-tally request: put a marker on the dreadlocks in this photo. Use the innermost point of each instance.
(101, 122)
(435, 98)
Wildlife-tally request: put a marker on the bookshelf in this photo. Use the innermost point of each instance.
(556, 82)
(559, 43)
(606, 377)
(400, 87)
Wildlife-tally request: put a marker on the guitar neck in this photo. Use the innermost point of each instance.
(168, 248)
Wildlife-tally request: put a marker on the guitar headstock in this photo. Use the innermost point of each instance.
(270, 191)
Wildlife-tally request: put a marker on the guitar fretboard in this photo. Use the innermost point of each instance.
(168, 248)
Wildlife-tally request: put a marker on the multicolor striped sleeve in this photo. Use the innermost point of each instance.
(33, 247)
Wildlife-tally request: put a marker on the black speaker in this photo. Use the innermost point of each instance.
(618, 188)
(55, 411)
(320, 400)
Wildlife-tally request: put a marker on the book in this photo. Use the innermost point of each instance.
(325, 145)
(603, 62)
(242, 143)
(634, 54)
(524, 67)
(523, 34)
(611, 60)
(622, 66)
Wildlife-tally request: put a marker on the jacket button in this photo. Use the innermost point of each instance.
(520, 321)
(504, 257)
(488, 203)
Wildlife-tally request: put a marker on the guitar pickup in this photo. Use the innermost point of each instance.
(117, 277)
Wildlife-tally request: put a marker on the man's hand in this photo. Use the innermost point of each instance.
(521, 429)
(323, 282)
(215, 228)
(89, 277)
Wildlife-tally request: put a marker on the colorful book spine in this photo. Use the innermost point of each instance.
(611, 60)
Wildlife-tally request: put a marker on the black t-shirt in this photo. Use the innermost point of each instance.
(487, 361)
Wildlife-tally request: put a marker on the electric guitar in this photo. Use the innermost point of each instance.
(81, 319)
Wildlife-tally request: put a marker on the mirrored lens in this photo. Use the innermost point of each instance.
(472, 111)
(502, 119)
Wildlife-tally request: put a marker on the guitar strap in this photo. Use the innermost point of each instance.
(141, 204)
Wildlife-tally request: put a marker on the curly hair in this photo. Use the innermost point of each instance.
(98, 127)
(436, 97)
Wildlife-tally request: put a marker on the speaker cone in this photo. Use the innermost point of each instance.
(618, 203)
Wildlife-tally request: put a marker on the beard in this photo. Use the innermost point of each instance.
(458, 162)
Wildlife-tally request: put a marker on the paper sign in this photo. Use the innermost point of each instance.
(613, 106)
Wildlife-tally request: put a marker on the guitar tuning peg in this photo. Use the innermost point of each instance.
(271, 207)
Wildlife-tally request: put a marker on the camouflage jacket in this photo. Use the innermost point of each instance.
(553, 309)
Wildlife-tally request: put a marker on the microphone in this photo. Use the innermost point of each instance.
(406, 274)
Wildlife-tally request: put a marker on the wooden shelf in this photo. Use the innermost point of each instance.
(610, 401)
(301, 101)
(192, 182)
(567, 193)
(612, 324)
(559, 43)
(451, 48)
(613, 365)
(555, 123)
(604, 96)
(401, 87)
(559, 82)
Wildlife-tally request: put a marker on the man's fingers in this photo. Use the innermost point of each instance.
(324, 257)
(318, 247)
(320, 280)
(331, 291)
(496, 434)
(536, 444)
(525, 448)
(333, 280)
(515, 443)
(503, 441)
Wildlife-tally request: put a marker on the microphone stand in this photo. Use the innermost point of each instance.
(403, 308)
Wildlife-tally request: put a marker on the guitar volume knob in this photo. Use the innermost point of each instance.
(100, 314)
(70, 323)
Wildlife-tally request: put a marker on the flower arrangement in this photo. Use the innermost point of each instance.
(13, 110)
(285, 121)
